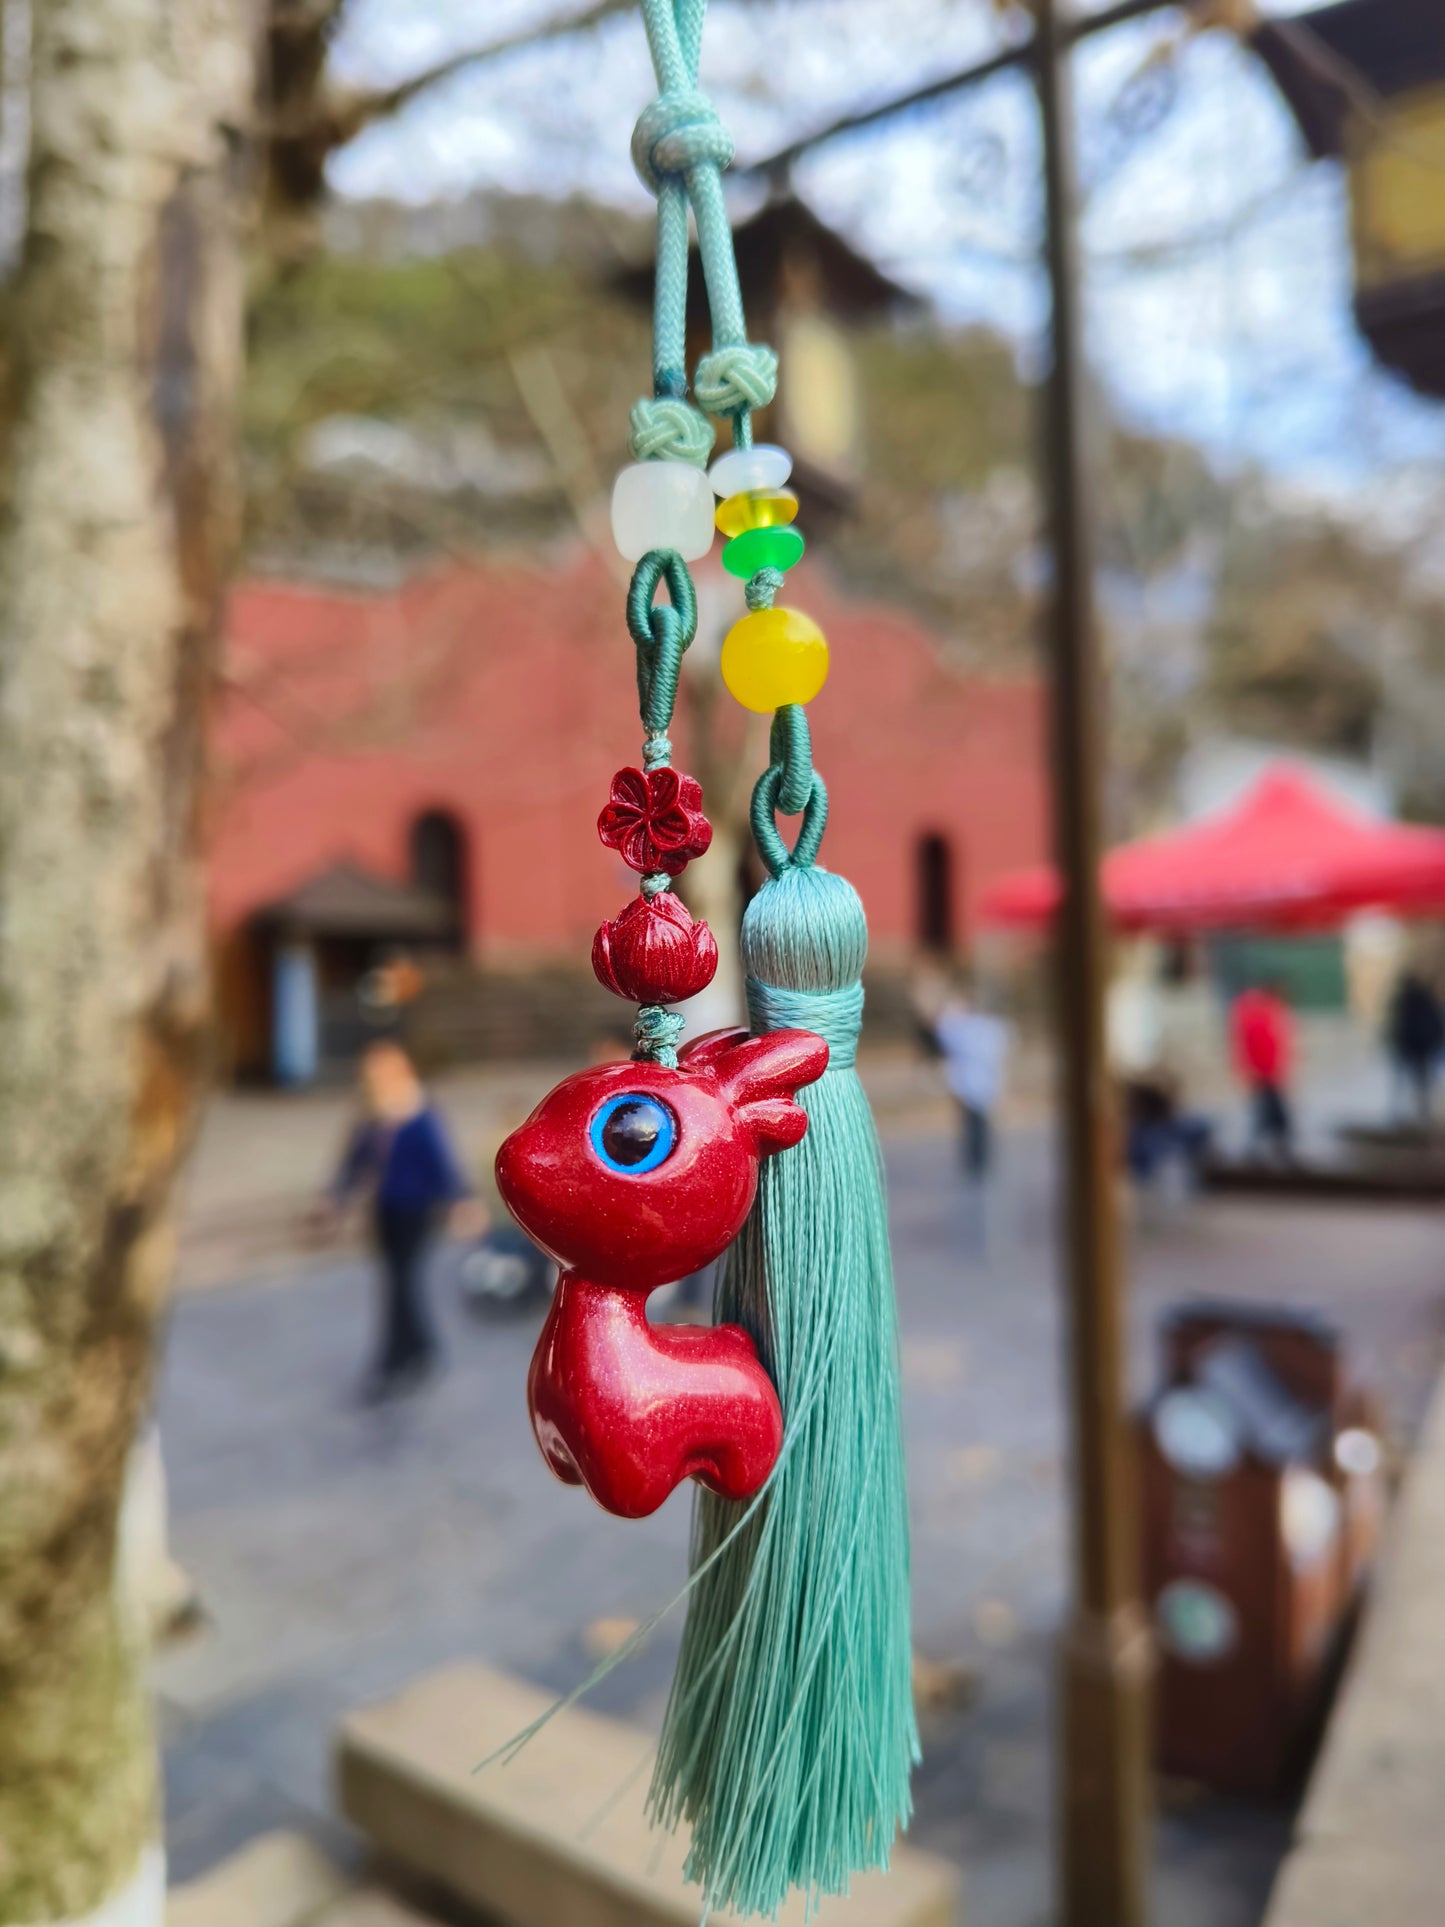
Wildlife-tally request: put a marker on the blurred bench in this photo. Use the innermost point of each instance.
(559, 1836)
(285, 1880)
(1370, 1844)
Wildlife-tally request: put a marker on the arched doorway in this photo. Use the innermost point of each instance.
(934, 916)
(439, 864)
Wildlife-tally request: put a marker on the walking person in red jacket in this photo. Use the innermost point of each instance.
(1261, 1030)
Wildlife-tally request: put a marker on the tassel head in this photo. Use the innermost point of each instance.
(789, 1738)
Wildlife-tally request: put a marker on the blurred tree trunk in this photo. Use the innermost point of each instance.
(116, 535)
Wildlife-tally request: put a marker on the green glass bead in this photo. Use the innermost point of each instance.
(754, 549)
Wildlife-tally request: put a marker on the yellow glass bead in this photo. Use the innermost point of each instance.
(756, 508)
(774, 656)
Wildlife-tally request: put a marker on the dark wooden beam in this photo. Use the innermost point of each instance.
(1021, 54)
(1106, 1659)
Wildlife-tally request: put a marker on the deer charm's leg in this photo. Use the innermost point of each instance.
(630, 1410)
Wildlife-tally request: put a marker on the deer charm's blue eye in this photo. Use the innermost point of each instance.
(633, 1133)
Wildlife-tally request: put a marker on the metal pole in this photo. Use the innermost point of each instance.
(1105, 1658)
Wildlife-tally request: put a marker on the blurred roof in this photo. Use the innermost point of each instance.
(347, 901)
(1381, 47)
(1285, 855)
(785, 234)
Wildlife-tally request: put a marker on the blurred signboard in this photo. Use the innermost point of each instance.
(1365, 79)
(1263, 1487)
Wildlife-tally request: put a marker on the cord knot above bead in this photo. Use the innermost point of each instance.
(760, 590)
(668, 430)
(658, 1032)
(679, 130)
(730, 381)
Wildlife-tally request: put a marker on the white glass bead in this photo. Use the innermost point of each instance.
(763, 466)
(662, 505)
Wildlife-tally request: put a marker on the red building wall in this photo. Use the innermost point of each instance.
(505, 695)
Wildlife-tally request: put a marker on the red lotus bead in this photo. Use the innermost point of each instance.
(655, 952)
(654, 820)
(630, 1176)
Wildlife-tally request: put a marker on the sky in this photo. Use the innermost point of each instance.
(1217, 259)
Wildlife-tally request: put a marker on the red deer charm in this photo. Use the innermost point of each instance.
(632, 1175)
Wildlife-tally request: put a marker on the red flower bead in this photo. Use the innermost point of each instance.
(655, 953)
(655, 821)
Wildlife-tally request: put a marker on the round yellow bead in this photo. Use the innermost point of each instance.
(774, 656)
(757, 508)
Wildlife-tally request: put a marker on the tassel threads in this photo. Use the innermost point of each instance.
(790, 1734)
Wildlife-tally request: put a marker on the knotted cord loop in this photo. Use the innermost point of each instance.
(762, 588)
(790, 749)
(657, 566)
(662, 632)
(677, 132)
(771, 847)
(732, 381)
(668, 429)
(679, 147)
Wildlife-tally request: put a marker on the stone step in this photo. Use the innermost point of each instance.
(285, 1880)
(558, 1838)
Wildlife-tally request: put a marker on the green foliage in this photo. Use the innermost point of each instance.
(344, 334)
(428, 344)
(943, 409)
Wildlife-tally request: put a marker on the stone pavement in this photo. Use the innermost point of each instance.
(342, 1552)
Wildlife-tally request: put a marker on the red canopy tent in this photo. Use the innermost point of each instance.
(1287, 855)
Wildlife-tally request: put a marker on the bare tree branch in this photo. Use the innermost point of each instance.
(304, 119)
(351, 113)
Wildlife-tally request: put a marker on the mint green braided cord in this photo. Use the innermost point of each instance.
(679, 148)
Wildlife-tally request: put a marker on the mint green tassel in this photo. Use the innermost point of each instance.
(790, 1737)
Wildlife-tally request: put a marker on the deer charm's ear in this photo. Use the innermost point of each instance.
(760, 1076)
(711, 1049)
(775, 1123)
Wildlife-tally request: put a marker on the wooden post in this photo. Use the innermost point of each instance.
(1105, 1659)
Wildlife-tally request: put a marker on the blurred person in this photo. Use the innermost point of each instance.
(1261, 1028)
(1158, 1131)
(1414, 1038)
(974, 1047)
(386, 990)
(505, 1272)
(929, 990)
(1134, 1014)
(401, 1159)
